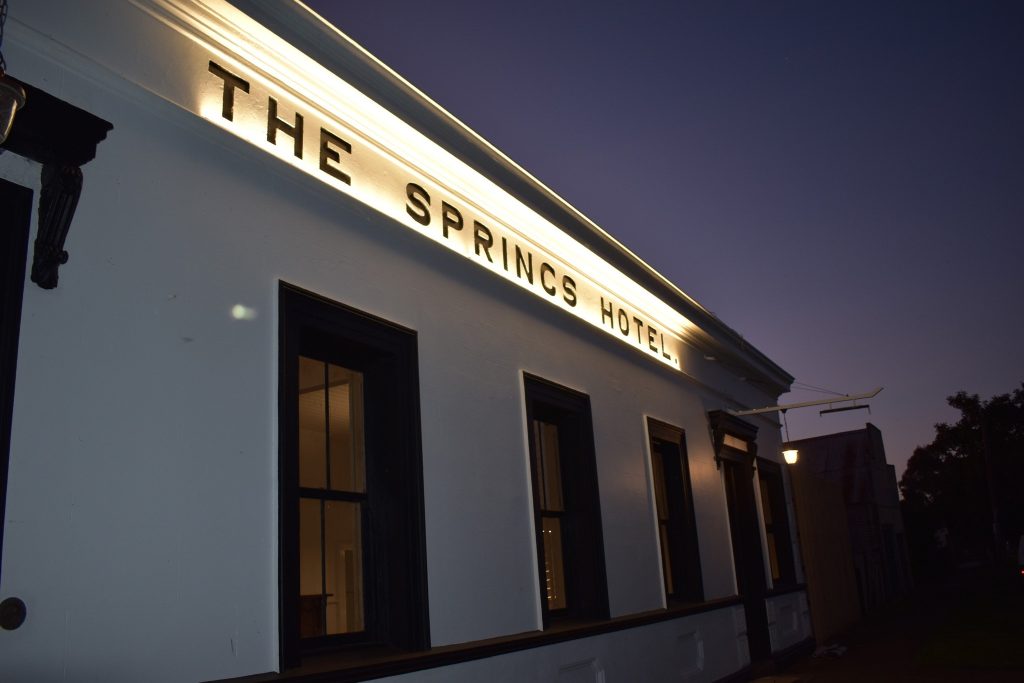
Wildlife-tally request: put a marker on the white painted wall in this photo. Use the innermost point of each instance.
(141, 514)
(701, 648)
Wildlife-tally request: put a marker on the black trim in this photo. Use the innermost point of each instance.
(16, 203)
(348, 669)
(394, 543)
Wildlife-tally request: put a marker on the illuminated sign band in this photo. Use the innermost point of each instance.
(250, 82)
(461, 228)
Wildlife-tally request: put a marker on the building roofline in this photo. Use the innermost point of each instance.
(318, 39)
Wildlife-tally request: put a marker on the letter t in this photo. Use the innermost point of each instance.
(231, 81)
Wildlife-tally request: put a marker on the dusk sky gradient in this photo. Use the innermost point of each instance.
(840, 182)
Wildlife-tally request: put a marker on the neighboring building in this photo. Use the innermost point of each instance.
(328, 386)
(856, 460)
(832, 589)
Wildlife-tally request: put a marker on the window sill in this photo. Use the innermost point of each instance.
(367, 664)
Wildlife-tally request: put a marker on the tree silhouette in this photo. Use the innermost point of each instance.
(963, 494)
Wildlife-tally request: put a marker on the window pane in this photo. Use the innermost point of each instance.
(343, 566)
(554, 571)
(311, 603)
(773, 557)
(312, 424)
(345, 404)
(550, 465)
(666, 559)
(766, 501)
(733, 442)
(660, 496)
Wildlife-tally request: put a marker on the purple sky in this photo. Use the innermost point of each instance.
(843, 184)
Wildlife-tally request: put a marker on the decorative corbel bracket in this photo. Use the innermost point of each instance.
(62, 138)
(62, 186)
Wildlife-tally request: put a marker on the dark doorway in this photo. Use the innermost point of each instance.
(746, 549)
(735, 443)
(17, 205)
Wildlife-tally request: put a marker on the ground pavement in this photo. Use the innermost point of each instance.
(968, 626)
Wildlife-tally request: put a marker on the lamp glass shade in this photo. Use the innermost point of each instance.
(12, 98)
(791, 455)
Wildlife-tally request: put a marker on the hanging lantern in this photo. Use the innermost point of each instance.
(12, 95)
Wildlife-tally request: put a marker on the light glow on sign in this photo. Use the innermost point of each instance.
(248, 81)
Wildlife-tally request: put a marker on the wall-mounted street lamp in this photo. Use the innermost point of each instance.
(12, 95)
(789, 454)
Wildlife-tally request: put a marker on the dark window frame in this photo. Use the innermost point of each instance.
(770, 474)
(17, 203)
(687, 584)
(394, 540)
(583, 539)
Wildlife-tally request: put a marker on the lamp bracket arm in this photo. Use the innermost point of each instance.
(806, 404)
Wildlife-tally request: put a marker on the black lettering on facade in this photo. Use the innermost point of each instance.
(639, 328)
(546, 269)
(328, 142)
(663, 353)
(524, 264)
(569, 292)
(482, 238)
(419, 200)
(652, 334)
(623, 322)
(607, 314)
(274, 124)
(231, 82)
(504, 253)
(450, 218)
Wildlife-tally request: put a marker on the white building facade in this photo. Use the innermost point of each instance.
(330, 389)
